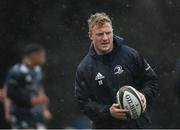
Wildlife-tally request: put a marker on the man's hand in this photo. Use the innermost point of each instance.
(118, 113)
(40, 100)
(47, 114)
(143, 101)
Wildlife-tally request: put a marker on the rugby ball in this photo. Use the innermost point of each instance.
(129, 98)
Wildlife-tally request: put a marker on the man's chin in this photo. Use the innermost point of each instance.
(106, 50)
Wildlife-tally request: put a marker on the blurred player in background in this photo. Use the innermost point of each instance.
(26, 104)
(109, 65)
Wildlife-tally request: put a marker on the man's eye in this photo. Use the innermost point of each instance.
(108, 33)
(100, 34)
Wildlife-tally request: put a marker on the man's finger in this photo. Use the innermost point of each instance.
(143, 101)
(120, 110)
(116, 105)
(144, 106)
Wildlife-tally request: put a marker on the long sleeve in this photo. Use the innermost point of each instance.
(148, 80)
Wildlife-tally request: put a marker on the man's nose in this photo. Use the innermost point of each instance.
(105, 37)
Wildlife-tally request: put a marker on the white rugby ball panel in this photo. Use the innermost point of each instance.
(137, 93)
(131, 102)
(118, 99)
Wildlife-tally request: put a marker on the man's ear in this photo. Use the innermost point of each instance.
(90, 35)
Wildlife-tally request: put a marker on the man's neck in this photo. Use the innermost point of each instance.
(28, 62)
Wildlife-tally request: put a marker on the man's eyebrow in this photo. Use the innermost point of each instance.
(104, 32)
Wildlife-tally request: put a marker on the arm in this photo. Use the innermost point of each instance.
(148, 80)
(41, 91)
(92, 109)
(47, 114)
(43, 94)
(6, 105)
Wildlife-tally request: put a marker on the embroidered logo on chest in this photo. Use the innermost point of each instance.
(118, 70)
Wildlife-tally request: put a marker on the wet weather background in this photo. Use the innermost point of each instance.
(150, 26)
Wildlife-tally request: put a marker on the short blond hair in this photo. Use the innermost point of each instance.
(98, 19)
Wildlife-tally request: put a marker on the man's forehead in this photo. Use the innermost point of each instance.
(104, 27)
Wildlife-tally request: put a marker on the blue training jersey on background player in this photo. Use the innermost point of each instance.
(22, 84)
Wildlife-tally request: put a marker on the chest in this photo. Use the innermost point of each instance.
(107, 78)
(33, 80)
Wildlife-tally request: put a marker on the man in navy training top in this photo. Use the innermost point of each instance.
(109, 65)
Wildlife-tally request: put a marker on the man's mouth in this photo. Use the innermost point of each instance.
(105, 43)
